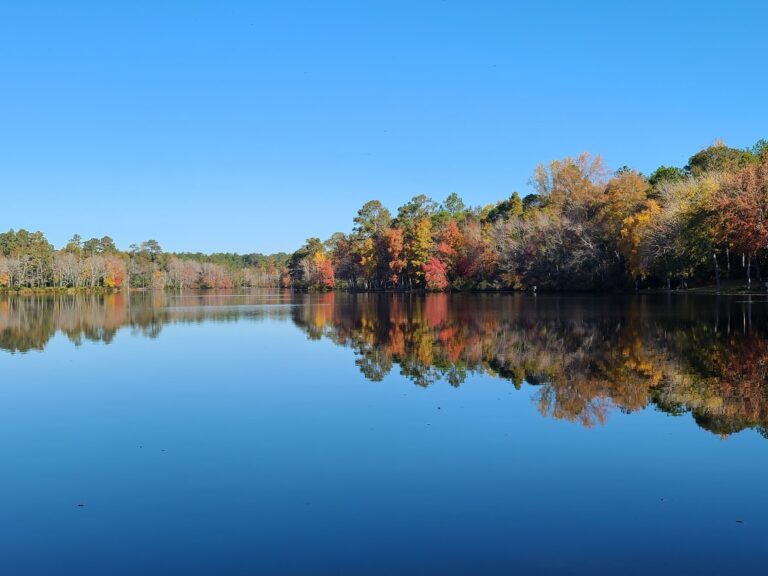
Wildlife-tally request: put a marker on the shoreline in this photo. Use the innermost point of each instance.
(731, 289)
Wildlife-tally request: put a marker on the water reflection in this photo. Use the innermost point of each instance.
(587, 356)
(29, 322)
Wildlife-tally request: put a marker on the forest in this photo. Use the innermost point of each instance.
(582, 228)
(29, 261)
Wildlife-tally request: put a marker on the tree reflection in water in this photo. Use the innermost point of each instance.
(586, 356)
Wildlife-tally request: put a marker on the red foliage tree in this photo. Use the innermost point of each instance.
(327, 277)
(435, 274)
(394, 243)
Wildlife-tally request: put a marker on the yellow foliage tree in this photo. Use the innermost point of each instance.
(631, 237)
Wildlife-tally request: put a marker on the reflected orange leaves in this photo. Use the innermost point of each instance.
(583, 358)
(583, 364)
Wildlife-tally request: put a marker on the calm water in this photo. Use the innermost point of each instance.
(277, 433)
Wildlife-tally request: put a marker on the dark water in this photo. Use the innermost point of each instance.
(273, 433)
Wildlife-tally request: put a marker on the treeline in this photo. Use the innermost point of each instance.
(582, 228)
(28, 260)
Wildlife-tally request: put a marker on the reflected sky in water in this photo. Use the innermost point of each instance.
(281, 433)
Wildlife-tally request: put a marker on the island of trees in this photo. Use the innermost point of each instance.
(582, 228)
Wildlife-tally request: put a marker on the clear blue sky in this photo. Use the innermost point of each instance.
(248, 126)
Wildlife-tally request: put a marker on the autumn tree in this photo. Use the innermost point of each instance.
(366, 244)
(634, 230)
(572, 191)
(681, 240)
(719, 158)
(418, 245)
(741, 214)
(435, 277)
(394, 243)
(311, 267)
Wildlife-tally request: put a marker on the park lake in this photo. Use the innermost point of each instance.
(269, 432)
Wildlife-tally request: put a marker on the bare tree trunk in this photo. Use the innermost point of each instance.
(717, 270)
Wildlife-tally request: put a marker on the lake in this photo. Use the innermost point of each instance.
(283, 433)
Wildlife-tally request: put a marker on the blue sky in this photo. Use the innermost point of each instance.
(248, 126)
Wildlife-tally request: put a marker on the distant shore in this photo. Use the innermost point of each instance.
(726, 289)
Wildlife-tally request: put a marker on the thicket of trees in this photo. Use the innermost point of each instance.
(582, 228)
(28, 260)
